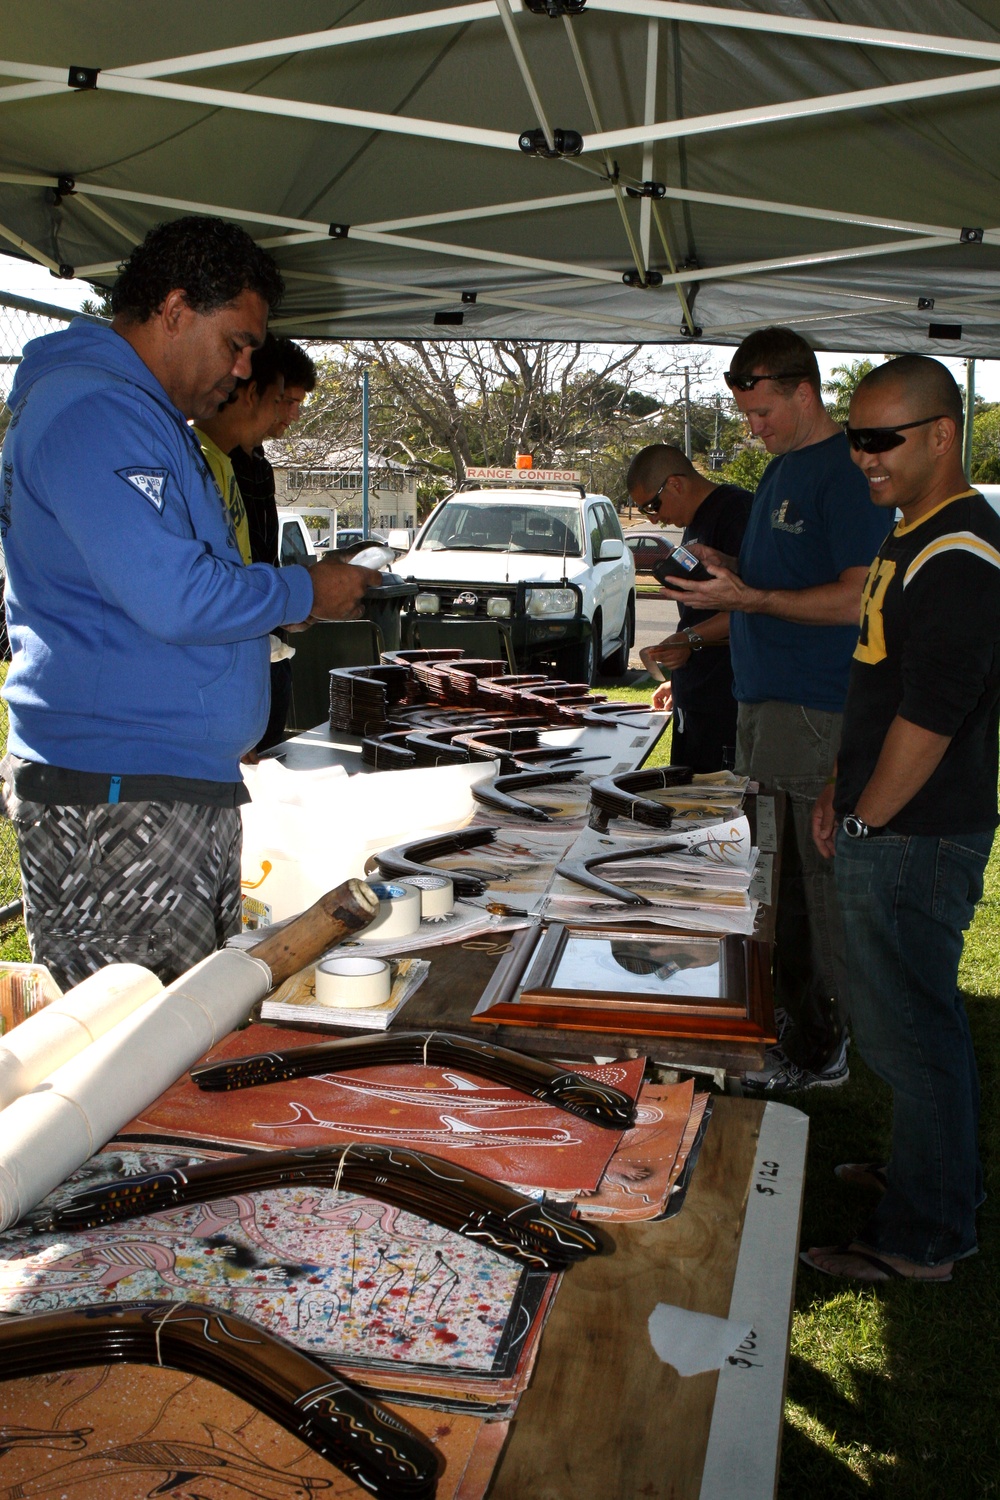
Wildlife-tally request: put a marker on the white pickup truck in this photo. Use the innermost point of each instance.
(542, 555)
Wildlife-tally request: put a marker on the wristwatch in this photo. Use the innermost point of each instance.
(856, 828)
(694, 640)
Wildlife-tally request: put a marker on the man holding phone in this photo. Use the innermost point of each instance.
(795, 600)
(664, 484)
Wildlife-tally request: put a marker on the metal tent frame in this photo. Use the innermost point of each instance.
(638, 254)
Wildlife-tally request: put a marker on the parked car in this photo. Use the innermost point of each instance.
(649, 547)
(552, 562)
(350, 536)
(294, 542)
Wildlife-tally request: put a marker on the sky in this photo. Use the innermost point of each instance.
(26, 280)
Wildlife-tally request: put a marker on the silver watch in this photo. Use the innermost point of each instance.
(694, 640)
(857, 828)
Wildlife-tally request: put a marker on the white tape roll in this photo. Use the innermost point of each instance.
(353, 982)
(398, 912)
(437, 895)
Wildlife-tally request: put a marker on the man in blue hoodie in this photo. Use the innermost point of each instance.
(139, 638)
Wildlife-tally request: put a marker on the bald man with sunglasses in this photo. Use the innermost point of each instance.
(793, 599)
(911, 819)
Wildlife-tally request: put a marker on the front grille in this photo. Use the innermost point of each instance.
(450, 595)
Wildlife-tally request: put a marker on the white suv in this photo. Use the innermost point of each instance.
(551, 562)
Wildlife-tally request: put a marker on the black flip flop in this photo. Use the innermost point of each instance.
(889, 1271)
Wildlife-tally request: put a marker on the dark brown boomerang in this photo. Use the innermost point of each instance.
(357, 1435)
(597, 1103)
(543, 1238)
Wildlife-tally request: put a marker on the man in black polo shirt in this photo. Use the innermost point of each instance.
(665, 485)
(255, 476)
(912, 816)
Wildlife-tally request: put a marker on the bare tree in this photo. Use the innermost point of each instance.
(445, 406)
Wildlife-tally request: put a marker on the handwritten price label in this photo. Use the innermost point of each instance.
(743, 1358)
(767, 1175)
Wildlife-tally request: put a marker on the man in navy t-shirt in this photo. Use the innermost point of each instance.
(795, 597)
(665, 485)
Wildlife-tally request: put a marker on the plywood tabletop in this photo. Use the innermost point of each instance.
(605, 1418)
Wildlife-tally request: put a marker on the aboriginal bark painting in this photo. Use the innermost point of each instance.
(500, 1132)
(127, 1432)
(344, 1278)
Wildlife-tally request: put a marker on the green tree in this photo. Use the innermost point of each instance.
(98, 306)
(985, 465)
(746, 467)
(844, 381)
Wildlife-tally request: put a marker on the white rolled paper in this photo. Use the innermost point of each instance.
(398, 912)
(353, 982)
(78, 1108)
(437, 895)
(63, 1029)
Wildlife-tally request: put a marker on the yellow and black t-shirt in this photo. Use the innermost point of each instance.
(929, 652)
(222, 473)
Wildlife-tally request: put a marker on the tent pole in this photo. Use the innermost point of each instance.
(785, 25)
(796, 109)
(106, 218)
(364, 455)
(649, 116)
(944, 232)
(970, 413)
(640, 260)
(503, 7)
(15, 239)
(311, 41)
(797, 211)
(472, 135)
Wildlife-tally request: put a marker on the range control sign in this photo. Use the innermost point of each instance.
(527, 476)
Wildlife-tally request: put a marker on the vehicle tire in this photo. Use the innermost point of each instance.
(578, 663)
(616, 665)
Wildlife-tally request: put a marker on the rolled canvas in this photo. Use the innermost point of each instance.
(77, 1108)
(59, 1031)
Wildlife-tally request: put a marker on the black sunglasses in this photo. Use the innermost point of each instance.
(747, 382)
(651, 506)
(881, 439)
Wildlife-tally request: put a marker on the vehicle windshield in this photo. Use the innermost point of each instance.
(553, 530)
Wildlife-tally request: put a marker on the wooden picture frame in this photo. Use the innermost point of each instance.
(639, 980)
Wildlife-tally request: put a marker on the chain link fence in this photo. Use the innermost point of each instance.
(21, 320)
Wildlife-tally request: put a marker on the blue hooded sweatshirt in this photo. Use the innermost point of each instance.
(139, 638)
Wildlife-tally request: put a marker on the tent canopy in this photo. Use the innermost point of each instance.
(831, 164)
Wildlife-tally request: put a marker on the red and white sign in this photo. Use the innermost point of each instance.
(526, 476)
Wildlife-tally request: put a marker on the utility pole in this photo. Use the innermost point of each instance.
(970, 409)
(365, 519)
(687, 411)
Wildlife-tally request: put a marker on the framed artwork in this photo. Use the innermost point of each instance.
(633, 982)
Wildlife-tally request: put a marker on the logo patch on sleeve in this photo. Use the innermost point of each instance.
(149, 482)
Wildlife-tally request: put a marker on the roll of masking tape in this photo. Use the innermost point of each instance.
(398, 912)
(437, 896)
(352, 983)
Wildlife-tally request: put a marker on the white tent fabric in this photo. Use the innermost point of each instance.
(831, 164)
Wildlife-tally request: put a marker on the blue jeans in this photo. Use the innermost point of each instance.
(906, 902)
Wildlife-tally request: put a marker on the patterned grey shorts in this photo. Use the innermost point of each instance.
(152, 883)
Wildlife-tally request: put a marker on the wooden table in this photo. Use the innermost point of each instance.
(604, 1417)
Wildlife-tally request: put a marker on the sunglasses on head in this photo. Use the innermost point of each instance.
(881, 439)
(747, 382)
